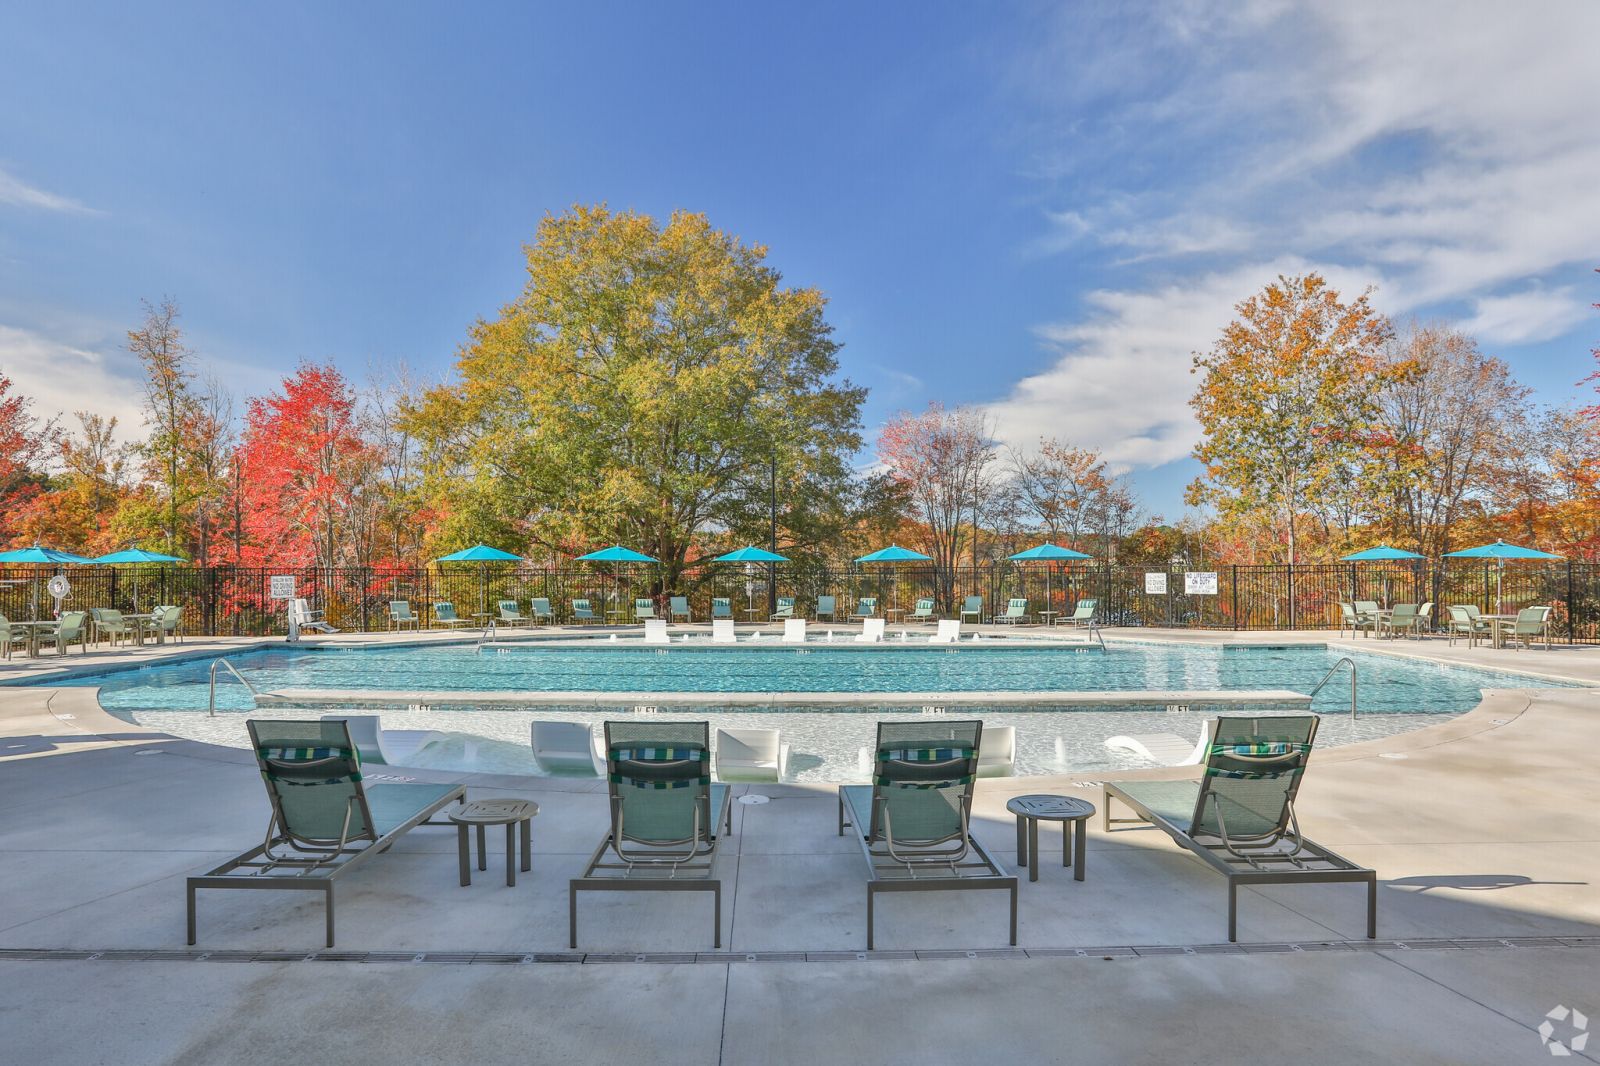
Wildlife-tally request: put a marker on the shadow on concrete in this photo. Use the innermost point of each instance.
(1471, 882)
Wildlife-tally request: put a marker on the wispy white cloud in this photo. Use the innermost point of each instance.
(1442, 149)
(18, 193)
(62, 377)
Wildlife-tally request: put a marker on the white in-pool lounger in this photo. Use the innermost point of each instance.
(754, 755)
(722, 631)
(949, 632)
(794, 630)
(1166, 749)
(566, 747)
(655, 631)
(871, 631)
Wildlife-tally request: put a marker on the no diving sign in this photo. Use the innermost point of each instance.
(282, 586)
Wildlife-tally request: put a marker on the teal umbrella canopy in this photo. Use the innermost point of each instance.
(617, 554)
(1380, 554)
(479, 553)
(134, 555)
(1501, 550)
(751, 554)
(1048, 553)
(895, 554)
(40, 556)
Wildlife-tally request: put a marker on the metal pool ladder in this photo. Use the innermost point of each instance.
(1346, 661)
(487, 635)
(211, 706)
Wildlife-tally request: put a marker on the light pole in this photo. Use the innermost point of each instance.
(772, 546)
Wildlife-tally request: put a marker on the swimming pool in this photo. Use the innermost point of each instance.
(1396, 694)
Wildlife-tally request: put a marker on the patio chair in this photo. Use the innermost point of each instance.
(72, 626)
(539, 611)
(1531, 622)
(722, 631)
(109, 623)
(997, 757)
(785, 609)
(757, 756)
(511, 614)
(566, 748)
(582, 613)
(444, 614)
(679, 608)
(667, 817)
(655, 631)
(1239, 816)
(721, 607)
(303, 617)
(11, 636)
(949, 632)
(923, 612)
(1463, 623)
(1016, 612)
(164, 621)
(384, 747)
(871, 631)
(1401, 620)
(644, 609)
(972, 606)
(1353, 621)
(794, 630)
(866, 607)
(827, 607)
(1368, 609)
(325, 820)
(1425, 619)
(913, 821)
(400, 615)
(1083, 614)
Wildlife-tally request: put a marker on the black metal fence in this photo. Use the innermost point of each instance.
(237, 601)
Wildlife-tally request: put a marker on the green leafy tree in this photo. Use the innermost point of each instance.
(638, 390)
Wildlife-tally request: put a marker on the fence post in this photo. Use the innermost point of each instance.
(1572, 609)
(1294, 619)
(1236, 596)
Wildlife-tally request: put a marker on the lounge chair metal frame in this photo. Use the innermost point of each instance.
(661, 866)
(312, 866)
(923, 866)
(1282, 856)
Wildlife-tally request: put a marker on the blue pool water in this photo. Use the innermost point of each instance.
(1387, 684)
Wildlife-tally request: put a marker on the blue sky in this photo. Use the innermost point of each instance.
(1043, 210)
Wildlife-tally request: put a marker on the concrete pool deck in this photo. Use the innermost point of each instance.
(1485, 836)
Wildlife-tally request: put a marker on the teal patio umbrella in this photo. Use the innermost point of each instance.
(617, 554)
(1047, 553)
(1500, 551)
(1382, 553)
(134, 556)
(752, 554)
(483, 555)
(894, 554)
(37, 556)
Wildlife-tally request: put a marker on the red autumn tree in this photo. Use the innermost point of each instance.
(25, 445)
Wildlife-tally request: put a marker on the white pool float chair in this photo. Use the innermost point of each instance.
(722, 631)
(794, 630)
(655, 631)
(391, 747)
(566, 747)
(997, 751)
(871, 631)
(757, 755)
(1166, 749)
(949, 632)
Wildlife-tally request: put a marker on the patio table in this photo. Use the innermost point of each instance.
(1498, 624)
(1049, 618)
(35, 630)
(1073, 814)
(511, 813)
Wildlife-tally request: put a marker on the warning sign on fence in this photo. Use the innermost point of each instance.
(282, 586)
(1155, 584)
(1200, 583)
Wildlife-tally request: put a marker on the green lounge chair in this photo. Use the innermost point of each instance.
(400, 615)
(972, 606)
(11, 636)
(678, 607)
(582, 613)
(165, 622)
(1016, 612)
(1402, 620)
(721, 608)
(106, 622)
(913, 821)
(1239, 816)
(541, 611)
(827, 607)
(325, 820)
(1531, 622)
(665, 817)
(923, 612)
(866, 607)
(644, 610)
(1463, 623)
(510, 614)
(1350, 619)
(71, 626)
(785, 609)
(1083, 614)
(444, 614)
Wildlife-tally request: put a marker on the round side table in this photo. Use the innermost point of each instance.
(510, 813)
(1073, 814)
